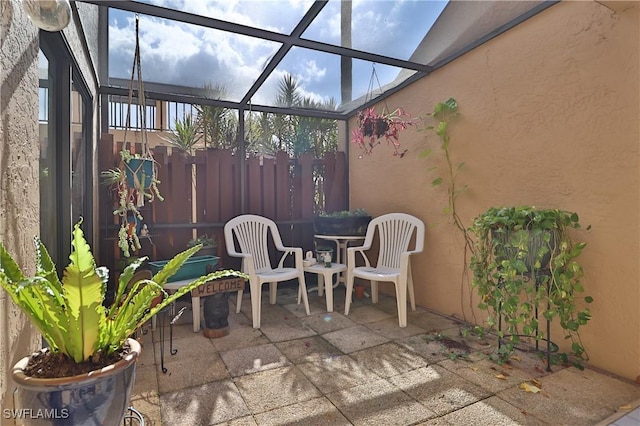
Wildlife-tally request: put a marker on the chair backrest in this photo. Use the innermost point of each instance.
(395, 231)
(251, 232)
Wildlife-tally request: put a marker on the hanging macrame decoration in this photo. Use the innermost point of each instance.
(138, 182)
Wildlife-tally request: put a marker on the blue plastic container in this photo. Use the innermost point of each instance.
(195, 267)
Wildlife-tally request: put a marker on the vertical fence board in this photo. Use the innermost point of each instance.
(268, 188)
(329, 172)
(201, 186)
(283, 208)
(227, 186)
(212, 185)
(306, 192)
(180, 208)
(336, 183)
(295, 201)
(254, 186)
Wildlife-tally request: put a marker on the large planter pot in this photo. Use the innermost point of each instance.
(536, 242)
(375, 127)
(343, 226)
(97, 398)
(139, 172)
(208, 251)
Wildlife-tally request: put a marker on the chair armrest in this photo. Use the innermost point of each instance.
(404, 257)
(351, 255)
(247, 262)
(297, 253)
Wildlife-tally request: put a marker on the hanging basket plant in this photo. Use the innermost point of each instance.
(139, 173)
(138, 179)
(374, 127)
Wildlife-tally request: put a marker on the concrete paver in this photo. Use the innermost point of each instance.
(362, 369)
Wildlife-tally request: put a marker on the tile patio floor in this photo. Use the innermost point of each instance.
(361, 369)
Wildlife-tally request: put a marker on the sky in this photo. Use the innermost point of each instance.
(193, 56)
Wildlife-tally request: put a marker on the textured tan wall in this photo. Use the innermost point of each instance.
(550, 117)
(19, 197)
(19, 166)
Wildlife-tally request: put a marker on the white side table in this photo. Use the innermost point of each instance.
(325, 275)
(342, 242)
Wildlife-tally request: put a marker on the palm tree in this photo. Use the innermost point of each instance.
(185, 135)
(218, 124)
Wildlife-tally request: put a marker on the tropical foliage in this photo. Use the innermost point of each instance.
(72, 314)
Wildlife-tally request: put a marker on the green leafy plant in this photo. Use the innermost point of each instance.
(186, 134)
(111, 177)
(203, 240)
(71, 314)
(525, 260)
(443, 114)
(345, 213)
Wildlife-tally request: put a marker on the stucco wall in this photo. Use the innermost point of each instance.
(550, 117)
(19, 197)
(19, 165)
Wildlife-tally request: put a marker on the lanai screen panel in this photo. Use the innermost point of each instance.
(184, 56)
(235, 53)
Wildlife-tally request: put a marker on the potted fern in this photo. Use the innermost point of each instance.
(86, 374)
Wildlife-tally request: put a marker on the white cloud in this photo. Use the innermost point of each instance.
(189, 55)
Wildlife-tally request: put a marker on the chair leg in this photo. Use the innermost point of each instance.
(239, 301)
(273, 292)
(401, 298)
(195, 307)
(374, 291)
(302, 287)
(256, 302)
(347, 300)
(412, 297)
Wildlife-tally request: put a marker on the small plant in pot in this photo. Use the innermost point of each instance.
(86, 374)
(209, 245)
(525, 262)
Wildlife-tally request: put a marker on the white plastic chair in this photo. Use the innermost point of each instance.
(395, 232)
(251, 233)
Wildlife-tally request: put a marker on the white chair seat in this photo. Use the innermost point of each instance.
(371, 273)
(251, 232)
(282, 274)
(395, 232)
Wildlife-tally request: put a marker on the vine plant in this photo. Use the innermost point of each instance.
(444, 113)
(525, 260)
(512, 247)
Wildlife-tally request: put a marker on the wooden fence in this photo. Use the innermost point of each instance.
(286, 190)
